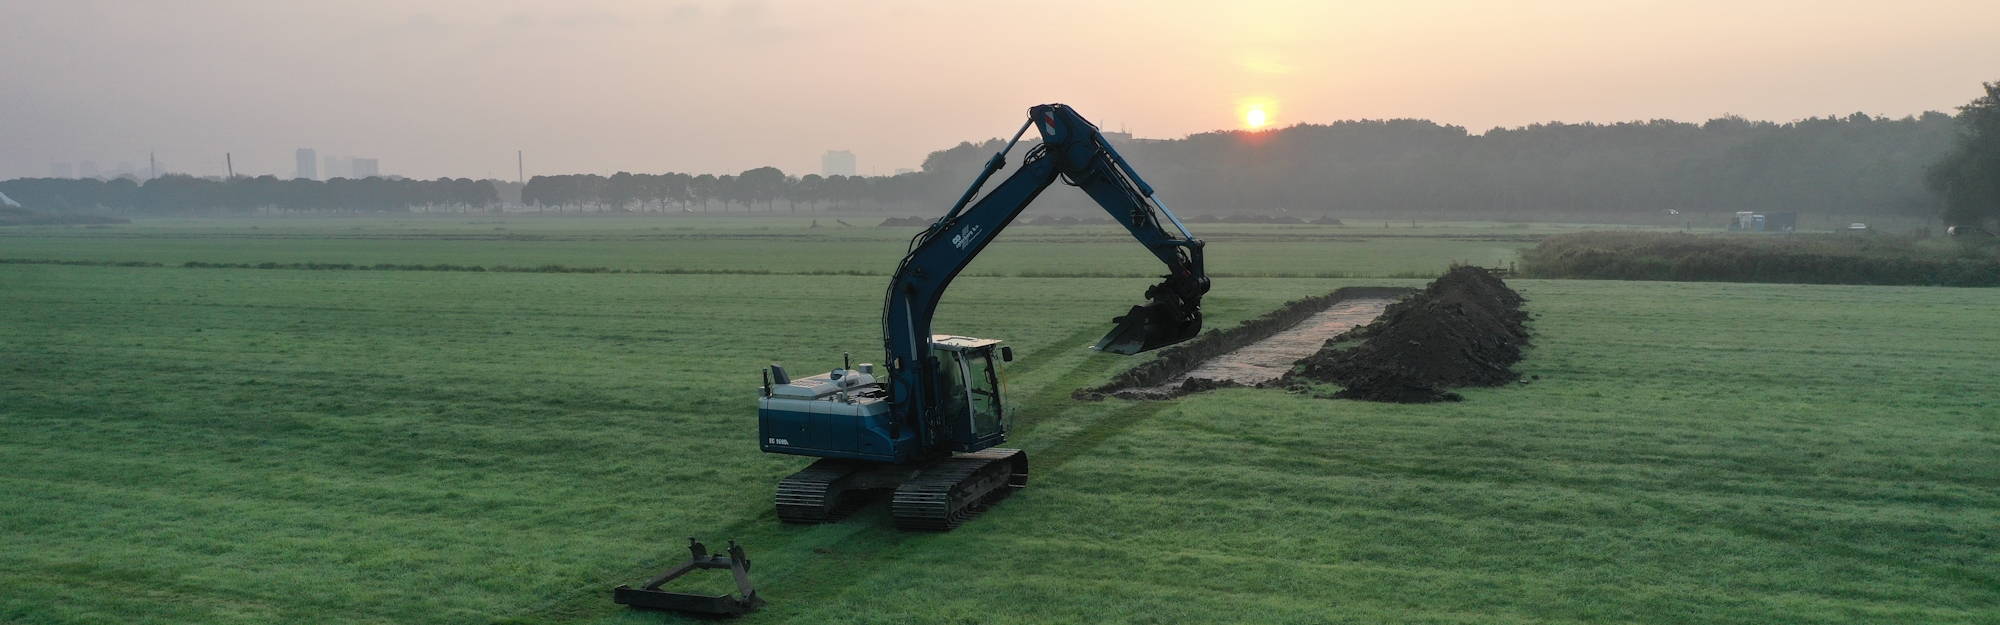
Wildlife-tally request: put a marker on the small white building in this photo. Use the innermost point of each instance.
(837, 163)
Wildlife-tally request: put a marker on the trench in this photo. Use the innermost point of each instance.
(1254, 352)
(1274, 356)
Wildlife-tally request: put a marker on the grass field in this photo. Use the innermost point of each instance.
(262, 446)
(764, 244)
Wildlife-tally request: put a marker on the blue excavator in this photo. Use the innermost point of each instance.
(927, 422)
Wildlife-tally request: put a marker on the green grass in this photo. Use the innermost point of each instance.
(762, 244)
(253, 446)
(1799, 258)
(1699, 453)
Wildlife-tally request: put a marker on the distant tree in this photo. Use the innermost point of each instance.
(678, 188)
(837, 188)
(180, 192)
(703, 187)
(728, 190)
(1969, 177)
(622, 189)
(806, 189)
(763, 184)
(472, 193)
(536, 192)
(589, 190)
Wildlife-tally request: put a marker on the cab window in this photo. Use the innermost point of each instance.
(984, 380)
(950, 376)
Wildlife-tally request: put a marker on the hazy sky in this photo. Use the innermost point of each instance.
(453, 88)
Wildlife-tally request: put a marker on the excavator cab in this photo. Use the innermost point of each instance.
(971, 389)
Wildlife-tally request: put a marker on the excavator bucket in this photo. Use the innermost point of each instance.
(1148, 327)
(649, 595)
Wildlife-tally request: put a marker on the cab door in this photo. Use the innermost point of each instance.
(988, 414)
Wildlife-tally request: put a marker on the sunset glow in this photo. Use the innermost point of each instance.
(1256, 113)
(1282, 63)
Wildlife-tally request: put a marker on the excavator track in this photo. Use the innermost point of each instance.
(955, 489)
(820, 492)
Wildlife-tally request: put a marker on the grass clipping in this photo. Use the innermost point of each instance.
(1465, 329)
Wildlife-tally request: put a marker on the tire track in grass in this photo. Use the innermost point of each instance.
(1050, 399)
(1082, 441)
(1061, 347)
(832, 553)
(824, 576)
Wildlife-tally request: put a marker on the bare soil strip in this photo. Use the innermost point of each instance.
(1274, 356)
(1171, 374)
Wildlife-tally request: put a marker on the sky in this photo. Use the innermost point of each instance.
(456, 87)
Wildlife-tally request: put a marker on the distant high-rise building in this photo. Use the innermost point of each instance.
(337, 167)
(60, 170)
(87, 169)
(365, 168)
(308, 164)
(837, 163)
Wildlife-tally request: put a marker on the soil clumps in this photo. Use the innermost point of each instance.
(1465, 329)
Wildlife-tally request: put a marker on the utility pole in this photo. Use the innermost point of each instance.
(231, 163)
(520, 168)
(152, 166)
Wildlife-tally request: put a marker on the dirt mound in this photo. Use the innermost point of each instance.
(1465, 329)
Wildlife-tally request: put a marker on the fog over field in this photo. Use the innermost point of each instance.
(473, 312)
(455, 87)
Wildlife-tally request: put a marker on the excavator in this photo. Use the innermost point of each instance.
(927, 423)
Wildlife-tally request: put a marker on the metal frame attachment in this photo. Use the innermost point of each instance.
(650, 595)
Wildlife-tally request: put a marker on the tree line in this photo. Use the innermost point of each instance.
(181, 193)
(1853, 165)
(1856, 164)
(1968, 178)
(760, 188)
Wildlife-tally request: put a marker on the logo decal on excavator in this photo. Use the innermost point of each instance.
(965, 236)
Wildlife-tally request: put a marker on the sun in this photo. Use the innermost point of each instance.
(1257, 112)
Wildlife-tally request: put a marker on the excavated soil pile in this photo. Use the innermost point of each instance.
(1465, 329)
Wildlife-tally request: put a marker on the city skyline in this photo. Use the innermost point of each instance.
(455, 87)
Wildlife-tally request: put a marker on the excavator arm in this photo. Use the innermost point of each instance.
(1071, 150)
